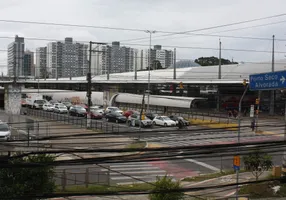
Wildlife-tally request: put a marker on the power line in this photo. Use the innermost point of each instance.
(213, 27)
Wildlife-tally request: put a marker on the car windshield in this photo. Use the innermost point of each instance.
(62, 107)
(40, 101)
(113, 109)
(67, 103)
(80, 108)
(165, 118)
(4, 127)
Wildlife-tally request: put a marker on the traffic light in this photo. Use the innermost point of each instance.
(181, 85)
(257, 101)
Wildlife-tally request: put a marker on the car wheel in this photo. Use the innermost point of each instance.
(165, 125)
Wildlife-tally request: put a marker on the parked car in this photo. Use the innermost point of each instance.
(77, 111)
(67, 104)
(60, 109)
(151, 115)
(48, 107)
(134, 120)
(96, 114)
(83, 105)
(163, 121)
(115, 117)
(57, 104)
(96, 107)
(98, 110)
(130, 112)
(5, 131)
(113, 109)
(177, 118)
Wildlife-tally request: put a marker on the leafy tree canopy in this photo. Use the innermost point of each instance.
(18, 182)
(162, 186)
(257, 162)
(210, 61)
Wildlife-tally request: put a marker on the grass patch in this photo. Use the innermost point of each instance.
(210, 176)
(104, 188)
(136, 145)
(213, 124)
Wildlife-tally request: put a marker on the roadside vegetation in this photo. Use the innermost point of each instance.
(136, 145)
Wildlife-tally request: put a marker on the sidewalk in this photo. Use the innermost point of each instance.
(223, 180)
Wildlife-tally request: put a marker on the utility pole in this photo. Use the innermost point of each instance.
(238, 137)
(149, 68)
(219, 61)
(175, 73)
(272, 92)
(14, 70)
(135, 69)
(89, 83)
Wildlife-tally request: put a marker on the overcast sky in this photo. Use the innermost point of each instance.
(160, 15)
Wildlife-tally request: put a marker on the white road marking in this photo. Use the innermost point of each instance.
(140, 172)
(137, 177)
(133, 168)
(203, 164)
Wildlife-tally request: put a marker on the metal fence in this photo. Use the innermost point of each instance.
(99, 125)
(81, 177)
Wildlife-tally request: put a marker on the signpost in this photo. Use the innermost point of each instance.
(236, 162)
(268, 81)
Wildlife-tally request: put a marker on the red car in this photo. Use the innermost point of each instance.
(129, 112)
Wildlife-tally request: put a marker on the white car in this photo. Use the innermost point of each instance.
(113, 109)
(5, 131)
(48, 107)
(163, 121)
(61, 109)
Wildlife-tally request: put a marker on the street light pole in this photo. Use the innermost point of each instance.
(238, 137)
(149, 67)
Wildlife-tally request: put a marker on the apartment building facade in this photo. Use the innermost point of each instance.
(28, 67)
(15, 57)
(67, 59)
(41, 70)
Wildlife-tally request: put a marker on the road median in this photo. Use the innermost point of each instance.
(214, 124)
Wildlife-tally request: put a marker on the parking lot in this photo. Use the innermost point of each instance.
(96, 124)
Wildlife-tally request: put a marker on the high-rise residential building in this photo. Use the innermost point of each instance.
(16, 57)
(115, 58)
(41, 69)
(28, 68)
(67, 59)
(157, 53)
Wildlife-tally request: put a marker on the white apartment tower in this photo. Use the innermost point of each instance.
(16, 57)
(67, 59)
(157, 53)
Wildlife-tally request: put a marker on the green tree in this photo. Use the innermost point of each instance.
(156, 65)
(257, 162)
(19, 181)
(210, 61)
(161, 188)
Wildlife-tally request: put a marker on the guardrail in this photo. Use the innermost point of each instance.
(81, 177)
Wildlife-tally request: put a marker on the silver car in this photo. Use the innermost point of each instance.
(5, 132)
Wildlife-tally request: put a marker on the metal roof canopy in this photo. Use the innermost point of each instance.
(156, 100)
